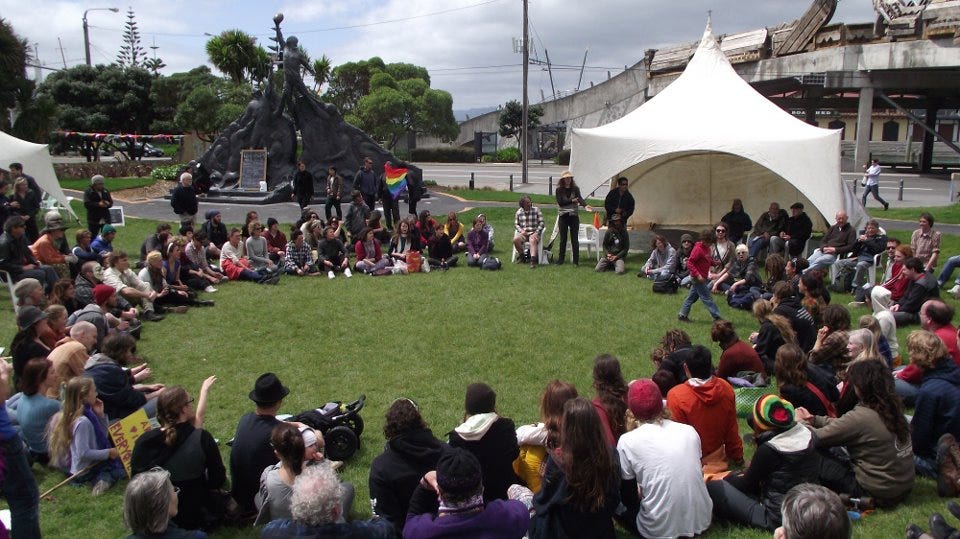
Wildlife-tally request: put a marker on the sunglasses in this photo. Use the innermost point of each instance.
(721, 231)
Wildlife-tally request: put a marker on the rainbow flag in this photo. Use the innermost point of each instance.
(396, 179)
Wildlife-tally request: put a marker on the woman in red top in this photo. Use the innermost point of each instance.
(890, 291)
(699, 266)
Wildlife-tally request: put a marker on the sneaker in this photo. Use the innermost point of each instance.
(179, 309)
(954, 291)
(854, 304)
(151, 316)
(205, 303)
(102, 486)
(330, 275)
(939, 526)
(210, 289)
(347, 272)
(886, 206)
(683, 318)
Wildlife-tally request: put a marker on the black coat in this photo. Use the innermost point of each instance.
(183, 199)
(496, 451)
(91, 201)
(396, 472)
(556, 516)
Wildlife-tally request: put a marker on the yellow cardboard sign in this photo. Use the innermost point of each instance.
(125, 432)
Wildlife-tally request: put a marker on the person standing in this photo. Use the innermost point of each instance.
(365, 181)
(569, 199)
(699, 266)
(871, 183)
(97, 201)
(183, 200)
(16, 172)
(334, 193)
(303, 187)
(619, 201)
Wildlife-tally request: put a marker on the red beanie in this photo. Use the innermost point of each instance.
(644, 399)
(102, 292)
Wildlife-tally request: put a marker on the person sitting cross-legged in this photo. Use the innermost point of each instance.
(616, 245)
(316, 510)
(786, 456)
(298, 257)
(121, 277)
(707, 403)
(332, 255)
(458, 482)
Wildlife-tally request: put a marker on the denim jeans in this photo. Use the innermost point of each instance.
(875, 189)
(20, 489)
(702, 291)
(820, 260)
(757, 244)
(947, 272)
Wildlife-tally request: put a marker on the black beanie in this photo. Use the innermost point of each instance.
(480, 399)
(458, 473)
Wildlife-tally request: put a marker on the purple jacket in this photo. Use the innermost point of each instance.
(477, 242)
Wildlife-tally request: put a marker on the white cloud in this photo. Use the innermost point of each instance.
(616, 31)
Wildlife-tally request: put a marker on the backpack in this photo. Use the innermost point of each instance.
(742, 300)
(489, 263)
(668, 286)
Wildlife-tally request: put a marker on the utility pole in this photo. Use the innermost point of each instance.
(550, 72)
(62, 57)
(86, 28)
(526, 102)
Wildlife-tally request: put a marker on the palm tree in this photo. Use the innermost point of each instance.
(234, 52)
(321, 72)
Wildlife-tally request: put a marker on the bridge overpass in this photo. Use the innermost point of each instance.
(859, 68)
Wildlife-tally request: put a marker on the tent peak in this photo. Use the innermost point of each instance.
(708, 40)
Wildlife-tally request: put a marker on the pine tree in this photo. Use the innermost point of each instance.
(131, 53)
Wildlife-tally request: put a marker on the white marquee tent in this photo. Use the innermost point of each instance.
(709, 138)
(36, 162)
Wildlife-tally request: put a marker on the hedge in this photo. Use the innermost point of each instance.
(443, 155)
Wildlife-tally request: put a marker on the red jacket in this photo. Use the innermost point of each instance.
(711, 409)
(700, 261)
(362, 253)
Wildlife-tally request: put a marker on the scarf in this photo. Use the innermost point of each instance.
(100, 432)
(470, 505)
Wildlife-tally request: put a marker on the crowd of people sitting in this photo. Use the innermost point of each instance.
(661, 457)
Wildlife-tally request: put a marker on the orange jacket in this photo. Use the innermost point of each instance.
(711, 409)
(44, 251)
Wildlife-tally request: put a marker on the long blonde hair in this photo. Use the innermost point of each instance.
(74, 398)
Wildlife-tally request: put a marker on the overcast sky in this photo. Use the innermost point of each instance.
(465, 44)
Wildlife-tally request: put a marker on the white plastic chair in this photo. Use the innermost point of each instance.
(589, 236)
(6, 278)
(540, 256)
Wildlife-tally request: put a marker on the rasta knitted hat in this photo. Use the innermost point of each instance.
(480, 399)
(458, 472)
(644, 399)
(772, 413)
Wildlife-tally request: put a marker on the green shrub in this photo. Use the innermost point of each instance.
(563, 158)
(508, 155)
(448, 154)
(487, 159)
(166, 172)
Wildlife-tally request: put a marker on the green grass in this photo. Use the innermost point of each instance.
(424, 336)
(941, 214)
(488, 194)
(112, 184)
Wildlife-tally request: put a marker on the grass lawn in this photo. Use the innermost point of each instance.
(941, 214)
(112, 184)
(423, 336)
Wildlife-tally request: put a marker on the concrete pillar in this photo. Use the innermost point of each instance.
(926, 154)
(861, 155)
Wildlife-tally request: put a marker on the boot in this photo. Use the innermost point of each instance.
(947, 473)
(939, 528)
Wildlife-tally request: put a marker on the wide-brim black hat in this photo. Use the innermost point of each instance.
(268, 389)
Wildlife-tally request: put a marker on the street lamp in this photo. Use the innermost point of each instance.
(86, 29)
